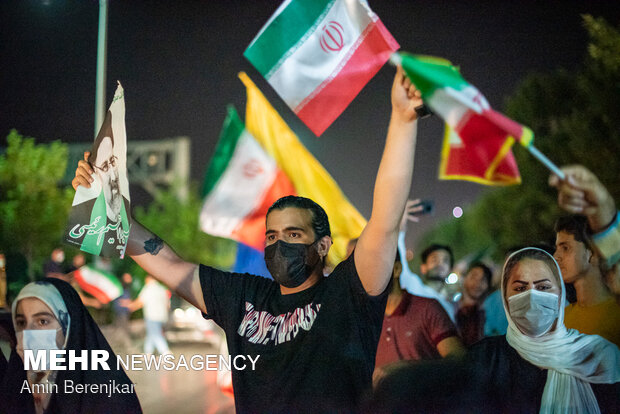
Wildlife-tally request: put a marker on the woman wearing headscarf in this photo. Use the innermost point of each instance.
(49, 315)
(539, 365)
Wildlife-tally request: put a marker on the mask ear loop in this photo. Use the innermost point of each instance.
(321, 259)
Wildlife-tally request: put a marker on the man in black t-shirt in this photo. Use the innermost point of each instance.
(315, 337)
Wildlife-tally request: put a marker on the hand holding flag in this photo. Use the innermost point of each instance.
(406, 98)
(582, 193)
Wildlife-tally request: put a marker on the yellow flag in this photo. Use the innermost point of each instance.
(308, 176)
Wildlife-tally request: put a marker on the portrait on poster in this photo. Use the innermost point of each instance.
(100, 217)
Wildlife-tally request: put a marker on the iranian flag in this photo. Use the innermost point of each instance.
(241, 183)
(478, 140)
(103, 286)
(319, 54)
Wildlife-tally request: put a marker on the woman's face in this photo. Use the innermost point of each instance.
(32, 313)
(531, 274)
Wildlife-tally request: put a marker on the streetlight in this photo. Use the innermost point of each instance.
(102, 40)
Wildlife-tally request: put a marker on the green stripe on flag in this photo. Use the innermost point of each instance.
(284, 32)
(93, 240)
(430, 73)
(231, 131)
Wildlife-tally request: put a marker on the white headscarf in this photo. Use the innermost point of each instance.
(48, 294)
(574, 360)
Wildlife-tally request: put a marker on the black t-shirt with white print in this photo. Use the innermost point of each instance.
(316, 348)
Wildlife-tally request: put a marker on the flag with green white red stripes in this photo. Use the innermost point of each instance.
(319, 54)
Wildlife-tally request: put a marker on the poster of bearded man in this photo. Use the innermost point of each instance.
(99, 221)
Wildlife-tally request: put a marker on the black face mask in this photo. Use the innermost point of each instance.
(291, 264)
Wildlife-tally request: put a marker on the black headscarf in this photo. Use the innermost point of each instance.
(84, 334)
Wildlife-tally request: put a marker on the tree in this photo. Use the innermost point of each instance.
(176, 222)
(576, 119)
(34, 209)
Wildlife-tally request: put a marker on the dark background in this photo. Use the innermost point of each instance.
(178, 62)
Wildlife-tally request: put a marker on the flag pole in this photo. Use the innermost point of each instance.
(396, 59)
(546, 161)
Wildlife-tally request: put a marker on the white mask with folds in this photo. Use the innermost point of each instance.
(534, 311)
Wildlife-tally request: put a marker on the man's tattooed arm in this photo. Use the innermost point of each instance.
(157, 258)
(153, 245)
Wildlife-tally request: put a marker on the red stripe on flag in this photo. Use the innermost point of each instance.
(91, 289)
(504, 123)
(336, 94)
(251, 231)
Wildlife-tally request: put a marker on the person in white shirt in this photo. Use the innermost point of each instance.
(155, 299)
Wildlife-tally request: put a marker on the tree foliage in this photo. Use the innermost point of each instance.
(34, 209)
(576, 120)
(176, 222)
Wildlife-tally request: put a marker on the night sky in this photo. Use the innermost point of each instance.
(178, 62)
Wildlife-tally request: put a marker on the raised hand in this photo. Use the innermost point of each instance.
(83, 173)
(582, 193)
(405, 97)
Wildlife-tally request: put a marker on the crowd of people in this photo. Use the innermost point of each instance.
(372, 336)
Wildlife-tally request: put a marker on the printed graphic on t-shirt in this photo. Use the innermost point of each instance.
(261, 327)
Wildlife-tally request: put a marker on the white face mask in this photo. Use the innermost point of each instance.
(38, 340)
(534, 311)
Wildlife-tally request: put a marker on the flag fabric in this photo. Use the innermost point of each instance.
(250, 260)
(318, 55)
(308, 176)
(478, 140)
(103, 286)
(241, 183)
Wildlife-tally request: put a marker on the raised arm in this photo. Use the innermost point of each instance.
(410, 281)
(160, 261)
(411, 208)
(376, 247)
(152, 254)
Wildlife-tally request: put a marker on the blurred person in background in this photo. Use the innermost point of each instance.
(436, 263)
(595, 312)
(122, 315)
(470, 313)
(414, 328)
(154, 298)
(55, 266)
(581, 192)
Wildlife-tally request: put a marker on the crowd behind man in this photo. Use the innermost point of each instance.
(416, 328)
